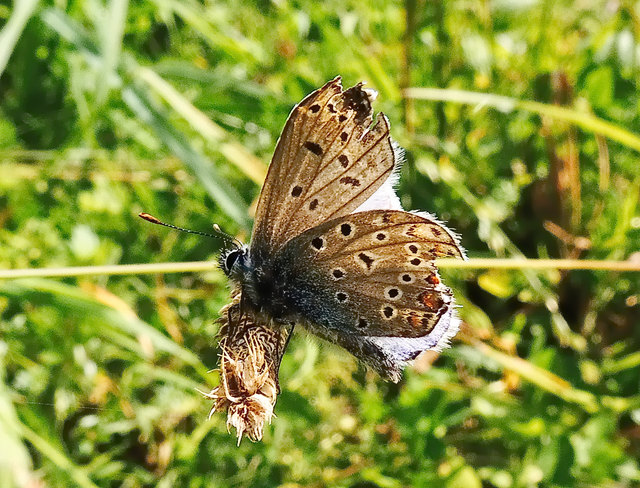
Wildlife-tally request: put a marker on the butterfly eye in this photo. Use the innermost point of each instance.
(231, 259)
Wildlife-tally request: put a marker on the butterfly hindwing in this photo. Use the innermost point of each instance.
(328, 161)
(370, 273)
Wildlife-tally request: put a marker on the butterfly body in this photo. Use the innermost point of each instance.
(262, 283)
(332, 249)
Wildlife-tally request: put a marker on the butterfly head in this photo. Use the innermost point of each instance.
(235, 261)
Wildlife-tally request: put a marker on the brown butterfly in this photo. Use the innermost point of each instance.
(332, 248)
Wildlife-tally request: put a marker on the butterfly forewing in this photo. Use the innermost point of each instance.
(300, 123)
(328, 161)
(371, 273)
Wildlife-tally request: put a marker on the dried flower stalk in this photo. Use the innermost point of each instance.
(251, 352)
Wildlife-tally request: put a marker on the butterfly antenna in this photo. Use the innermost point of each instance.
(218, 235)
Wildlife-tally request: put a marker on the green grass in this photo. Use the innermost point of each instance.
(525, 141)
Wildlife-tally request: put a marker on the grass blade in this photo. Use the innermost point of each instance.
(58, 458)
(228, 199)
(246, 162)
(585, 121)
(217, 187)
(540, 377)
(22, 12)
(112, 44)
(15, 463)
(69, 297)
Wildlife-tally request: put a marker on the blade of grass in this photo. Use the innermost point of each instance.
(73, 32)
(22, 12)
(246, 162)
(110, 270)
(552, 383)
(626, 214)
(72, 298)
(57, 457)
(538, 264)
(585, 121)
(540, 377)
(111, 44)
(15, 462)
(217, 187)
(235, 45)
(223, 193)
(204, 266)
(613, 366)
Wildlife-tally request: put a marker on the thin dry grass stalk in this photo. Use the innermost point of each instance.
(251, 352)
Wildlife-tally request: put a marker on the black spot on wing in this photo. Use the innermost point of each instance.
(345, 229)
(317, 243)
(348, 180)
(366, 259)
(313, 147)
(337, 273)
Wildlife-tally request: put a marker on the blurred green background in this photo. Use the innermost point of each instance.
(109, 108)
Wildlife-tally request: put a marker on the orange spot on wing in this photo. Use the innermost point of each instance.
(432, 279)
(430, 299)
(414, 320)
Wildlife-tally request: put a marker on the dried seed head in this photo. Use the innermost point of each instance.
(250, 357)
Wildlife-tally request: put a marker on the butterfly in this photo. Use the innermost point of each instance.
(332, 249)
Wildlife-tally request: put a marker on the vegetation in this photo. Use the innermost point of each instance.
(109, 108)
